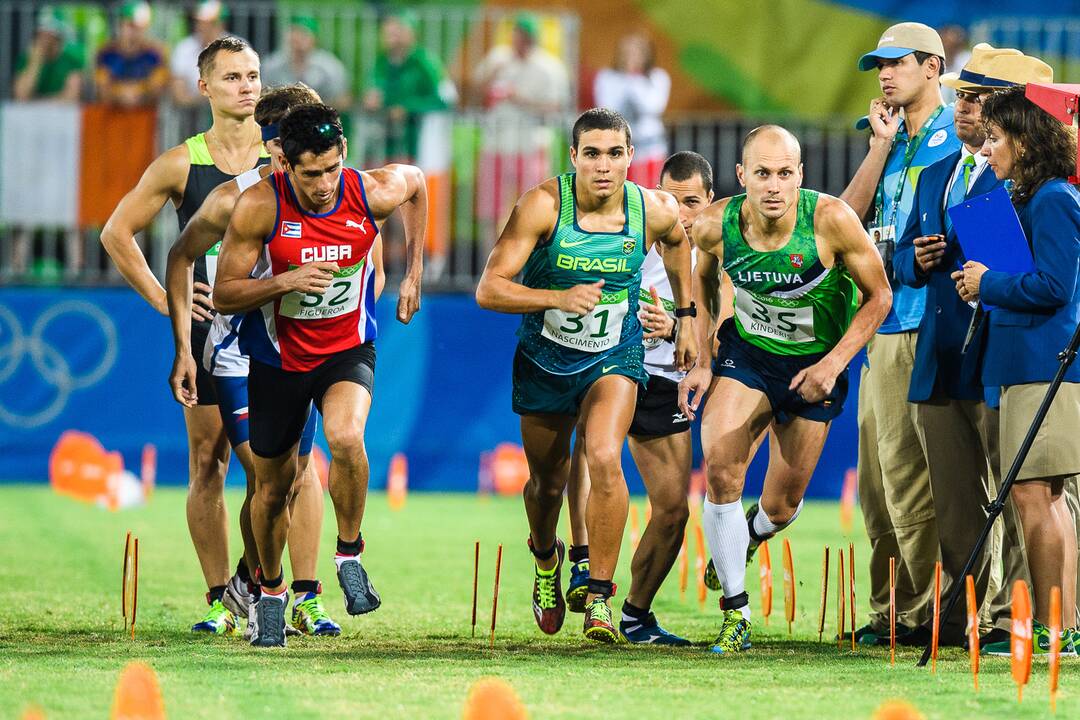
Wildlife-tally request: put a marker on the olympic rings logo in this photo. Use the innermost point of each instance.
(16, 345)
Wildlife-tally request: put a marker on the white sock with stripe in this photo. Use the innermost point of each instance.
(728, 538)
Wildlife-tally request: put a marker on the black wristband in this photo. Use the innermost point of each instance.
(686, 311)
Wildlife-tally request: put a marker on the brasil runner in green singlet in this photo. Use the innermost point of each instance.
(796, 259)
(185, 174)
(580, 240)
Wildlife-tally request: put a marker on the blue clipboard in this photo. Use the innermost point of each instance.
(989, 232)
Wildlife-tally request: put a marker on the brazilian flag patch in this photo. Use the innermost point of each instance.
(628, 246)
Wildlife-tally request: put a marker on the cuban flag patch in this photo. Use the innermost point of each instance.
(290, 229)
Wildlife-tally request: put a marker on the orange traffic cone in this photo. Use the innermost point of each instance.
(397, 483)
(491, 698)
(138, 695)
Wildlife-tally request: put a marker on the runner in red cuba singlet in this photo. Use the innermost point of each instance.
(299, 331)
(297, 259)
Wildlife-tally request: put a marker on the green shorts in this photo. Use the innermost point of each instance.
(536, 391)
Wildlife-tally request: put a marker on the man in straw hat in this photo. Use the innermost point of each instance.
(911, 129)
(957, 430)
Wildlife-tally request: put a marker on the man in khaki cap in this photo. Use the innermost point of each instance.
(903, 39)
(911, 129)
(957, 430)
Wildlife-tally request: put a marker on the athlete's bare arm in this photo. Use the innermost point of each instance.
(534, 217)
(164, 180)
(202, 232)
(709, 241)
(662, 211)
(841, 233)
(402, 186)
(252, 221)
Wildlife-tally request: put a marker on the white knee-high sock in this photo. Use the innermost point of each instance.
(728, 538)
(766, 528)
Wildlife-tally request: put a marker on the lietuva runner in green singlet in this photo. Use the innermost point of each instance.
(797, 259)
(580, 240)
(185, 174)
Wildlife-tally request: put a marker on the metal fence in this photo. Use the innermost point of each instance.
(482, 176)
(482, 181)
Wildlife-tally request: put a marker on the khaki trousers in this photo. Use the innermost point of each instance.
(960, 440)
(894, 485)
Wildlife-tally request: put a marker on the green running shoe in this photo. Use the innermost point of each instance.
(1040, 643)
(598, 623)
(734, 634)
(219, 620)
(310, 617)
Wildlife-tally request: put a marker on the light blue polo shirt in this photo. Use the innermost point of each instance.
(939, 141)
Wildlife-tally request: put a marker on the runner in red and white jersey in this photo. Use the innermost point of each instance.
(297, 258)
(298, 331)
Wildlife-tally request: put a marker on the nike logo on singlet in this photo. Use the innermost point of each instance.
(565, 244)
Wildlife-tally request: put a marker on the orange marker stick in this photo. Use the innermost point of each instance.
(851, 575)
(765, 576)
(972, 628)
(475, 580)
(789, 586)
(840, 590)
(824, 593)
(1055, 644)
(1020, 647)
(495, 594)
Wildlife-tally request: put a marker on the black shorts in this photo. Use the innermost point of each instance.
(279, 401)
(204, 381)
(772, 374)
(657, 412)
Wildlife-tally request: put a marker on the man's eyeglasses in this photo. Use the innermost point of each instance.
(975, 98)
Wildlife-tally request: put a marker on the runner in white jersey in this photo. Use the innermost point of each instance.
(659, 435)
(229, 367)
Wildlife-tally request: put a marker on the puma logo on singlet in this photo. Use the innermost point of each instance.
(353, 224)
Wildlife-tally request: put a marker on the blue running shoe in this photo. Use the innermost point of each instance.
(647, 631)
(578, 589)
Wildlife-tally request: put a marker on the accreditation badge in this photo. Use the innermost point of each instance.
(884, 239)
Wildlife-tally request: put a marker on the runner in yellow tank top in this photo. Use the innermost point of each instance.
(602, 393)
(756, 379)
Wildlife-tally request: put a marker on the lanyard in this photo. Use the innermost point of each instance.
(909, 157)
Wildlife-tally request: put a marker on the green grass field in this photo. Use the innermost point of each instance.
(62, 645)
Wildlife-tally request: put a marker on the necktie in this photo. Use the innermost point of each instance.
(959, 188)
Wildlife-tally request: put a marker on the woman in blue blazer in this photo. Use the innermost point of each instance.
(1034, 316)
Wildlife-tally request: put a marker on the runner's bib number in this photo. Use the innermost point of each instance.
(593, 332)
(776, 322)
(343, 296)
